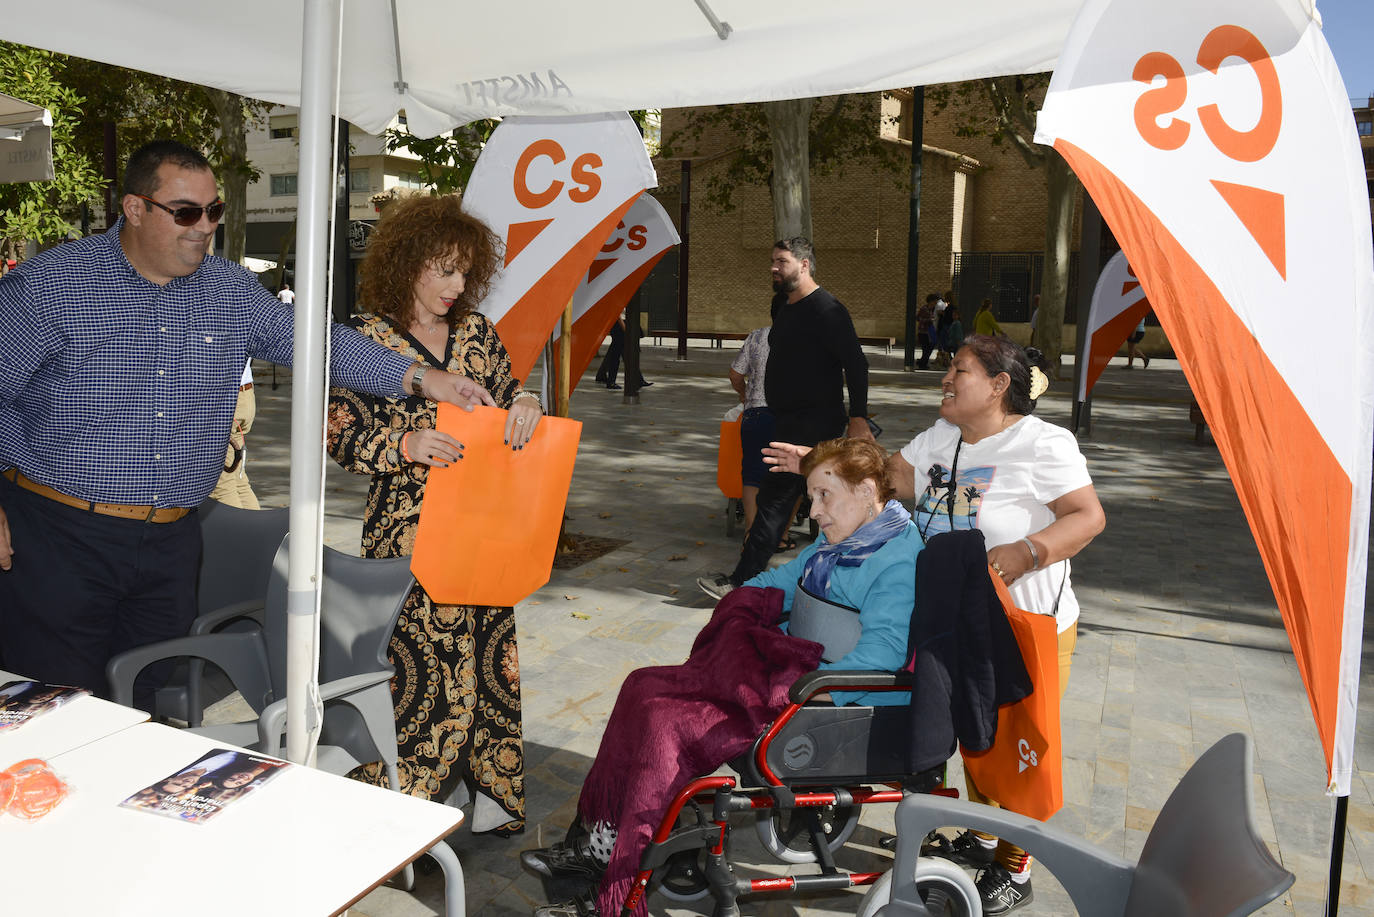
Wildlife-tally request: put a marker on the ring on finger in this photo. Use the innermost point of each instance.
(519, 420)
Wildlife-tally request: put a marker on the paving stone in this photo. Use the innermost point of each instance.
(1180, 641)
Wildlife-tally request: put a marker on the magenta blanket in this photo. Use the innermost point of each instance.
(673, 723)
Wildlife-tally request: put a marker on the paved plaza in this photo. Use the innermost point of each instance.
(1179, 643)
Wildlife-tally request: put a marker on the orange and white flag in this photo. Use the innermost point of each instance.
(1118, 306)
(642, 238)
(553, 189)
(1217, 140)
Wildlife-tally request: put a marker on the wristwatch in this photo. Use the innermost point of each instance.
(415, 381)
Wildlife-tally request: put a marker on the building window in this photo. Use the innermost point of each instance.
(283, 127)
(1364, 128)
(283, 184)
(358, 181)
(653, 130)
(895, 113)
(409, 180)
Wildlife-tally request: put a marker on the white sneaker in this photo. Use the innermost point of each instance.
(717, 585)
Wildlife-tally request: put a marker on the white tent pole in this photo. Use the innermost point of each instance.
(319, 56)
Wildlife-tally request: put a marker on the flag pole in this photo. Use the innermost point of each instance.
(1333, 882)
(565, 362)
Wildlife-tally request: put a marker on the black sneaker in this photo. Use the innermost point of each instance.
(999, 893)
(584, 905)
(964, 849)
(562, 861)
(717, 585)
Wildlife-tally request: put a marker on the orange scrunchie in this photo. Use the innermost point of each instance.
(30, 789)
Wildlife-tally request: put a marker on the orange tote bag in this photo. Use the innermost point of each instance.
(730, 459)
(489, 523)
(1024, 768)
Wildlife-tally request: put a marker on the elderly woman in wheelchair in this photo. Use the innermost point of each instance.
(845, 603)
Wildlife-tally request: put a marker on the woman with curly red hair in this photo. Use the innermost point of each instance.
(457, 683)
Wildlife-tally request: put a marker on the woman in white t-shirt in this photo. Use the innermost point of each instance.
(988, 463)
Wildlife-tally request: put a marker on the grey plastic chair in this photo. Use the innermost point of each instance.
(231, 592)
(1201, 859)
(360, 601)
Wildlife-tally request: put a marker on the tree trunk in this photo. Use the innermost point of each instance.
(233, 171)
(789, 124)
(1054, 285)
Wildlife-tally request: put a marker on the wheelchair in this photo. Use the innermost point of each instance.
(803, 784)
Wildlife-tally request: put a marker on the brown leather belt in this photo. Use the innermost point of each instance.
(121, 510)
(245, 386)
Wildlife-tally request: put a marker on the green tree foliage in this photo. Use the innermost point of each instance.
(831, 133)
(446, 161)
(45, 212)
(1004, 109)
(84, 96)
(144, 107)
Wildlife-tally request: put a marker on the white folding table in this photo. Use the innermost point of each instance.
(75, 723)
(304, 843)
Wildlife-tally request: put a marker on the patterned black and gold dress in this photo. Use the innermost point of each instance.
(457, 682)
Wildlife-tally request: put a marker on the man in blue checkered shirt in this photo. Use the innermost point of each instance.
(120, 361)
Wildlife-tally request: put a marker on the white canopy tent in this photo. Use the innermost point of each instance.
(445, 63)
(449, 63)
(25, 141)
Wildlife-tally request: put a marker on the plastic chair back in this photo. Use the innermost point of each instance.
(360, 601)
(236, 558)
(1203, 857)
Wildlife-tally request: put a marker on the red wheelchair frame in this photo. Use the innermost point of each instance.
(673, 845)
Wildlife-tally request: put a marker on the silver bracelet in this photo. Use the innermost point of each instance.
(1035, 555)
(527, 394)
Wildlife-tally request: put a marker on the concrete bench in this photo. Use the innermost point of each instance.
(715, 337)
(718, 337)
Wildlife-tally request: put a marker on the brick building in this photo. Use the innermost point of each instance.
(982, 228)
(1364, 127)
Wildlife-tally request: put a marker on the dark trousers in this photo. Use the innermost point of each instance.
(85, 587)
(777, 496)
(925, 339)
(610, 364)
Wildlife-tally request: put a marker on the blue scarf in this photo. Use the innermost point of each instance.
(855, 549)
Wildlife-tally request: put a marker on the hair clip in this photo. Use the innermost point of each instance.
(1039, 382)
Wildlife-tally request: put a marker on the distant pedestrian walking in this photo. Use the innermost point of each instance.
(925, 330)
(985, 322)
(1133, 347)
(610, 363)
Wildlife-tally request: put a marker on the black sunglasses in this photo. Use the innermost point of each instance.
(189, 216)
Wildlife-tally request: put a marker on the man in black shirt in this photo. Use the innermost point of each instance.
(813, 353)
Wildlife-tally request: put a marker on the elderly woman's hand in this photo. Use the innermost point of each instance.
(521, 420)
(784, 456)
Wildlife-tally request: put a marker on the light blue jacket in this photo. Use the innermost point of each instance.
(883, 588)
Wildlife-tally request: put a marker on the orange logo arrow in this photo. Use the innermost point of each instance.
(1261, 212)
(518, 235)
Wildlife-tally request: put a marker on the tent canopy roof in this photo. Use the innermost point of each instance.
(18, 116)
(447, 63)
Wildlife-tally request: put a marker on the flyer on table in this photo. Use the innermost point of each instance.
(21, 701)
(203, 788)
